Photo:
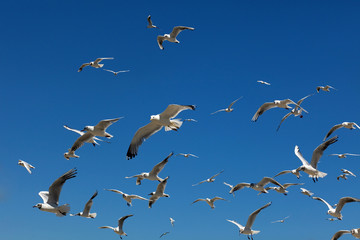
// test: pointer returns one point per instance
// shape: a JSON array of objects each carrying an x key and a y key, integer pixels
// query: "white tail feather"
[{"x": 175, "y": 124}]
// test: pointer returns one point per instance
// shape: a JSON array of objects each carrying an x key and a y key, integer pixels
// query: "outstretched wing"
[
  {"x": 178, "y": 29},
  {"x": 174, "y": 109},
  {"x": 121, "y": 221},
  {"x": 82, "y": 66},
  {"x": 236, "y": 223},
  {"x": 89, "y": 204},
  {"x": 74, "y": 130},
  {"x": 104, "y": 124},
  {"x": 345, "y": 200},
  {"x": 266, "y": 106},
  {"x": 100, "y": 59},
  {"x": 234, "y": 102},
  {"x": 81, "y": 140},
  {"x": 221, "y": 110},
  {"x": 217, "y": 174},
  {"x": 253, "y": 215},
  {"x": 336, "y": 127},
  {"x": 318, "y": 152},
  {"x": 300, "y": 156},
  {"x": 158, "y": 167},
  {"x": 55, "y": 188},
  {"x": 339, "y": 234},
  {"x": 283, "y": 172},
  {"x": 267, "y": 180},
  {"x": 283, "y": 119},
  {"x": 160, "y": 39},
  {"x": 322, "y": 200}
]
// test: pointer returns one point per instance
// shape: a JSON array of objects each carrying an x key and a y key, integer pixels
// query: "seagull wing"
[
  {"x": 199, "y": 183},
  {"x": 217, "y": 198},
  {"x": 350, "y": 154},
  {"x": 161, "y": 187},
  {"x": 345, "y": 200},
  {"x": 174, "y": 109},
  {"x": 239, "y": 186},
  {"x": 253, "y": 215},
  {"x": 266, "y": 106},
  {"x": 121, "y": 221},
  {"x": 141, "y": 134},
  {"x": 82, "y": 66},
  {"x": 55, "y": 188},
  {"x": 104, "y": 124},
  {"x": 322, "y": 200},
  {"x": 109, "y": 70},
  {"x": 198, "y": 200},
  {"x": 158, "y": 167},
  {"x": 267, "y": 180},
  {"x": 336, "y": 127},
  {"x": 348, "y": 172},
  {"x": 74, "y": 130},
  {"x": 234, "y": 102},
  {"x": 217, "y": 174},
  {"x": 89, "y": 204},
  {"x": 137, "y": 197},
  {"x": 301, "y": 100},
  {"x": 100, "y": 59},
  {"x": 339, "y": 234},
  {"x": 236, "y": 223},
  {"x": 193, "y": 155},
  {"x": 115, "y": 190},
  {"x": 27, "y": 166},
  {"x": 178, "y": 29},
  {"x": 286, "y": 185},
  {"x": 283, "y": 172},
  {"x": 300, "y": 156},
  {"x": 81, "y": 140},
  {"x": 221, "y": 110},
  {"x": 106, "y": 227},
  {"x": 318, "y": 152},
  {"x": 149, "y": 20},
  {"x": 283, "y": 119},
  {"x": 160, "y": 39},
  {"x": 229, "y": 185},
  {"x": 44, "y": 196}
]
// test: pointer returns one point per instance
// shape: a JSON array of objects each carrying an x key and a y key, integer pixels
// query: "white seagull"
[
  {"x": 283, "y": 189},
  {"x": 153, "y": 174},
  {"x": 355, "y": 232},
  {"x": 209, "y": 180},
  {"x": 91, "y": 140},
  {"x": 158, "y": 121},
  {"x": 172, "y": 36},
  {"x": 311, "y": 168},
  {"x": 209, "y": 201},
  {"x": 150, "y": 25},
  {"x": 172, "y": 221},
  {"x": 188, "y": 155},
  {"x": 190, "y": 120},
  {"x": 100, "y": 128},
  {"x": 343, "y": 155},
  {"x": 296, "y": 172},
  {"x": 228, "y": 109},
  {"x": 343, "y": 176},
  {"x": 116, "y": 73},
  {"x": 348, "y": 125},
  {"x": 160, "y": 192},
  {"x": 263, "y": 82},
  {"x": 325, "y": 89},
  {"x": 281, "y": 221},
  {"x": 260, "y": 186},
  {"x": 26, "y": 165},
  {"x": 51, "y": 197},
  {"x": 230, "y": 186},
  {"x": 94, "y": 64},
  {"x": 247, "y": 229},
  {"x": 306, "y": 192},
  {"x": 336, "y": 212},
  {"x": 332, "y": 219},
  {"x": 348, "y": 172},
  {"x": 119, "y": 229},
  {"x": 86, "y": 212},
  {"x": 127, "y": 197},
  {"x": 163, "y": 234}
]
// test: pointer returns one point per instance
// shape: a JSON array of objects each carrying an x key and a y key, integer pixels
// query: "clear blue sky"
[{"x": 295, "y": 45}]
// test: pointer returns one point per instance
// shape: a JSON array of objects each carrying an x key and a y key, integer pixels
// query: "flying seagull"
[
  {"x": 247, "y": 229},
  {"x": 296, "y": 172},
  {"x": 188, "y": 155},
  {"x": 127, "y": 197},
  {"x": 277, "y": 103},
  {"x": 116, "y": 73},
  {"x": 150, "y": 25},
  {"x": 281, "y": 221},
  {"x": 209, "y": 180},
  {"x": 153, "y": 174},
  {"x": 260, "y": 186},
  {"x": 26, "y": 165},
  {"x": 348, "y": 125},
  {"x": 348, "y": 172},
  {"x": 86, "y": 212},
  {"x": 172, "y": 221},
  {"x": 306, "y": 192},
  {"x": 283, "y": 189},
  {"x": 51, "y": 197},
  {"x": 209, "y": 201},
  {"x": 343, "y": 176},
  {"x": 158, "y": 121},
  {"x": 172, "y": 36},
  {"x": 230, "y": 186},
  {"x": 228, "y": 109},
  {"x": 160, "y": 192},
  {"x": 91, "y": 140},
  {"x": 354, "y": 232},
  {"x": 70, "y": 154},
  {"x": 94, "y": 64},
  {"x": 163, "y": 234},
  {"x": 119, "y": 229},
  {"x": 343, "y": 155},
  {"x": 332, "y": 219},
  {"x": 311, "y": 168},
  {"x": 263, "y": 82},
  {"x": 336, "y": 212},
  {"x": 325, "y": 89},
  {"x": 190, "y": 120}
]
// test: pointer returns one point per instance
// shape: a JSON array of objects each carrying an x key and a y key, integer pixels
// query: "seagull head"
[
  {"x": 166, "y": 195},
  {"x": 252, "y": 185},
  {"x": 39, "y": 205},
  {"x": 152, "y": 193},
  {"x": 154, "y": 117},
  {"x": 88, "y": 128}
]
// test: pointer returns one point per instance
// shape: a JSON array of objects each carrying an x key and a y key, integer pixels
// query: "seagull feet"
[
  {"x": 128, "y": 204},
  {"x": 94, "y": 144}
]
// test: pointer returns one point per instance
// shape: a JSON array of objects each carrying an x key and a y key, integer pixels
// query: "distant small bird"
[
  {"x": 263, "y": 82},
  {"x": 127, "y": 197},
  {"x": 260, "y": 186},
  {"x": 209, "y": 180},
  {"x": 172, "y": 36},
  {"x": 150, "y": 25},
  {"x": 348, "y": 125},
  {"x": 26, "y": 165},
  {"x": 343, "y": 155},
  {"x": 306, "y": 192},
  {"x": 354, "y": 232},
  {"x": 86, "y": 212},
  {"x": 332, "y": 219},
  {"x": 160, "y": 192},
  {"x": 190, "y": 120},
  {"x": 228, "y": 109},
  {"x": 325, "y": 89},
  {"x": 119, "y": 229},
  {"x": 343, "y": 176},
  {"x": 348, "y": 172},
  {"x": 188, "y": 155},
  {"x": 172, "y": 221},
  {"x": 163, "y": 234},
  {"x": 296, "y": 172},
  {"x": 116, "y": 73},
  {"x": 336, "y": 212},
  {"x": 209, "y": 201},
  {"x": 94, "y": 64},
  {"x": 283, "y": 189},
  {"x": 281, "y": 221}
]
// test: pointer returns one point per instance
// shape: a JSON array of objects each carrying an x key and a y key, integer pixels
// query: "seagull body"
[
  {"x": 348, "y": 125},
  {"x": 172, "y": 36},
  {"x": 150, "y": 25},
  {"x": 306, "y": 192},
  {"x": 94, "y": 64},
  {"x": 343, "y": 176},
  {"x": 188, "y": 155},
  {"x": 296, "y": 172},
  {"x": 127, "y": 197},
  {"x": 260, "y": 186},
  {"x": 325, "y": 89},
  {"x": 51, "y": 197},
  {"x": 209, "y": 201},
  {"x": 354, "y": 232},
  {"x": 263, "y": 82},
  {"x": 157, "y": 122},
  {"x": 160, "y": 192},
  {"x": 228, "y": 109},
  {"x": 90, "y": 140},
  {"x": 153, "y": 174},
  {"x": 209, "y": 180},
  {"x": 86, "y": 212},
  {"x": 116, "y": 73},
  {"x": 100, "y": 129},
  {"x": 283, "y": 189},
  {"x": 163, "y": 234},
  {"x": 336, "y": 212},
  {"x": 119, "y": 229},
  {"x": 26, "y": 165},
  {"x": 343, "y": 155},
  {"x": 172, "y": 221},
  {"x": 281, "y": 221},
  {"x": 311, "y": 168},
  {"x": 247, "y": 229}
]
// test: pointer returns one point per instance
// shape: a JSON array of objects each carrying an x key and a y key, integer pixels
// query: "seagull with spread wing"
[
  {"x": 336, "y": 212},
  {"x": 283, "y": 189},
  {"x": 91, "y": 140},
  {"x": 281, "y": 221},
  {"x": 127, "y": 197},
  {"x": 355, "y": 232},
  {"x": 157, "y": 122},
  {"x": 163, "y": 234},
  {"x": 343, "y": 155},
  {"x": 260, "y": 186},
  {"x": 94, "y": 64},
  {"x": 263, "y": 82},
  {"x": 228, "y": 109},
  {"x": 119, "y": 229},
  {"x": 26, "y": 165},
  {"x": 296, "y": 172},
  {"x": 86, "y": 212},
  {"x": 209, "y": 180},
  {"x": 150, "y": 25},
  {"x": 325, "y": 89},
  {"x": 306, "y": 192},
  {"x": 116, "y": 73},
  {"x": 209, "y": 201},
  {"x": 172, "y": 36},
  {"x": 172, "y": 221},
  {"x": 160, "y": 192},
  {"x": 348, "y": 125}
]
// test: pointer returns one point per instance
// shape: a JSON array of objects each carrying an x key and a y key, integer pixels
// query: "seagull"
[
  {"x": 281, "y": 221},
  {"x": 209, "y": 201},
  {"x": 70, "y": 154},
  {"x": 159, "y": 192},
  {"x": 153, "y": 174},
  {"x": 165, "y": 233},
  {"x": 260, "y": 186},
  {"x": 343, "y": 155},
  {"x": 296, "y": 172},
  {"x": 296, "y": 111},
  {"x": 172, "y": 36},
  {"x": 311, "y": 168},
  {"x": 337, "y": 211},
  {"x": 51, "y": 197},
  {"x": 172, "y": 221},
  {"x": 119, "y": 229},
  {"x": 86, "y": 212},
  {"x": 263, "y": 82},
  {"x": 325, "y": 89},
  {"x": 306, "y": 192},
  {"x": 116, "y": 73},
  {"x": 247, "y": 229},
  {"x": 348, "y": 125},
  {"x": 348, "y": 172},
  {"x": 127, "y": 197},
  {"x": 277, "y": 103},
  {"x": 26, "y": 165},
  {"x": 209, "y": 180},
  {"x": 283, "y": 189},
  {"x": 91, "y": 140},
  {"x": 190, "y": 120},
  {"x": 228, "y": 109},
  {"x": 94, "y": 64},
  {"x": 354, "y": 232},
  {"x": 100, "y": 129},
  {"x": 158, "y": 121},
  {"x": 188, "y": 155},
  {"x": 343, "y": 176},
  {"x": 150, "y": 25},
  {"x": 231, "y": 187},
  {"x": 331, "y": 219}
]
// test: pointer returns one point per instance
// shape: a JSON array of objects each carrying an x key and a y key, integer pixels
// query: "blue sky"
[{"x": 294, "y": 45}]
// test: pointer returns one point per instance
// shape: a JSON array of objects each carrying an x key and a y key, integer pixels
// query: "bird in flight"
[
  {"x": 228, "y": 109},
  {"x": 172, "y": 36},
  {"x": 94, "y": 64}
]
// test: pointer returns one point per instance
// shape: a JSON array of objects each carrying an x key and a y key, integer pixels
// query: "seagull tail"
[
  {"x": 92, "y": 215},
  {"x": 175, "y": 125},
  {"x": 321, "y": 174},
  {"x": 63, "y": 210},
  {"x": 253, "y": 232}
]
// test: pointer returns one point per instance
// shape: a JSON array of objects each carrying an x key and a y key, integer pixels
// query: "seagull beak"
[{"x": 82, "y": 130}]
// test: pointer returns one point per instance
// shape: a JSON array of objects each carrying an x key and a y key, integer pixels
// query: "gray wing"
[
  {"x": 217, "y": 174},
  {"x": 161, "y": 186},
  {"x": 199, "y": 183},
  {"x": 266, "y": 106},
  {"x": 74, "y": 130},
  {"x": 160, "y": 40},
  {"x": 283, "y": 172},
  {"x": 115, "y": 190},
  {"x": 236, "y": 223},
  {"x": 178, "y": 29},
  {"x": 252, "y": 216},
  {"x": 345, "y": 200},
  {"x": 100, "y": 59},
  {"x": 149, "y": 20},
  {"x": 221, "y": 110},
  {"x": 348, "y": 172},
  {"x": 336, "y": 127},
  {"x": 283, "y": 119},
  {"x": 286, "y": 185},
  {"x": 104, "y": 124},
  {"x": 339, "y": 234},
  {"x": 322, "y": 200},
  {"x": 239, "y": 186},
  {"x": 81, "y": 140},
  {"x": 158, "y": 167},
  {"x": 301, "y": 100},
  {"x": 82, "y": 66},
  {"x": 109, "y": 70},
  {"x": 267, "y": 180},
  {"x": 121, "y": 221},
  {"x": 55, "y": 188},
  {"x": 174, "y": 109},
  {"x": 300, "y": 156},
  {"x": 318, "y": 152},
  {"x": 89, "y": 204},
  {"x": 198, "y": 200},
  {"x": 137, "y": 197},
  {"x": 217, "y": 198},
  {"x": 234, "y": 102},
  {"x": 141, "y": 134}
]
